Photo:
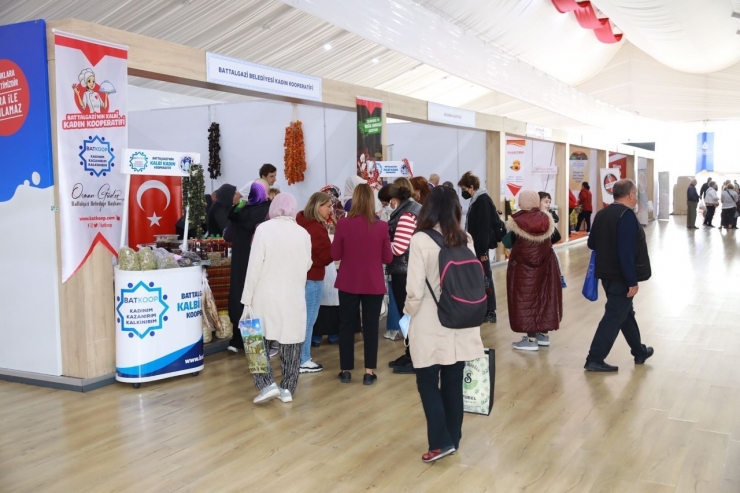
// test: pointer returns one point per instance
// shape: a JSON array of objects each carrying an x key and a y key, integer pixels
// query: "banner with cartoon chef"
[{"x": 91, "y": 81}]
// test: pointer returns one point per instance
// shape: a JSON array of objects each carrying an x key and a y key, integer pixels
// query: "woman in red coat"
[
  {"x": 534, "y": 292},
  {"x": 587, "y": 207}
]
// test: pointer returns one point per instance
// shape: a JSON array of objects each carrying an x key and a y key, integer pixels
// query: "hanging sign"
[
  {"x": 261, "y": 78},
  {"x": 448, "y": 114},
  {"x": 369, "y": 140},
  {"x": 537, "y": 132},
  {"x": 515, "y": 159},
  {"x": 578, "y": 169},
  {"x": 396, "y": 169},
  {"x": 158, "y": 163},
  {"x": 91, "y": 81},
  {"x": 619, "y": 162},
  {"x": 705, "y": 152},
  {"x": 609, "y": 176}
]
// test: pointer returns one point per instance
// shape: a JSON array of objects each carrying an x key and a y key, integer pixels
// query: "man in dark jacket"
[
  {"x": 621, "y": 262},
  {"x": 705, "y": 187},
  {"x": 479, "y": 223},
  {"x": 692, "y": 201}
]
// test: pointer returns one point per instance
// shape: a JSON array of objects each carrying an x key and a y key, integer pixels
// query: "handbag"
[
  {"x": 591, "y": 284},
  {"x": 479, "y": 377},
  {"x": 254, "y": 344}
]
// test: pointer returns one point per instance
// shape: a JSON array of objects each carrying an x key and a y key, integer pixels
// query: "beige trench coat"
[{"x": 431, "y": 343}]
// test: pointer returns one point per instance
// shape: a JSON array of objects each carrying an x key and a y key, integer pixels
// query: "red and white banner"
[
  {"x": 618, "y": 161},
  {"x": 154, "y": 208},
  {"x": 91, "y": 82}
]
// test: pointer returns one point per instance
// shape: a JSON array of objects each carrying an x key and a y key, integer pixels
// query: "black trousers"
[
  {"x": 619, "y": 315},
  {"x": 728, "y": 217},
  {"x": 584, "y": 216},
  {"x": 709, "y": 215},
  {"x": 398, "y": 281},
  {"x": 491, "y": 302},
  {"x": 440, "y": 388},
  {"x": 349, "y": 321}
]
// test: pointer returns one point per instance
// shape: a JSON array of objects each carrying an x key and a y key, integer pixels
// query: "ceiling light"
[
  {"x": 375, "y": 60},
  {"x": 327, "y": 47}
]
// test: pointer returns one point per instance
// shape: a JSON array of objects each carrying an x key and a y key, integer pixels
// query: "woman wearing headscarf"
[
  {"x": 219, "y": 213},
  {"x": 275, "y": 292},
  {"x": 534, "y": 291},
  {"x": 244, "y": 218},
  {"x": 336, "y": 203},
  {"x": 349, "y": 190}
]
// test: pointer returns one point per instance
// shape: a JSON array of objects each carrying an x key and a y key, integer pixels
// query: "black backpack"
[
  {"x": 463, "y": 301},
  {"x": 498, "y": 230}
]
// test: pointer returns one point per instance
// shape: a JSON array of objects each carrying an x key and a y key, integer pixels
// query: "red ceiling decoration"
[{"x": 587, "y": 18}]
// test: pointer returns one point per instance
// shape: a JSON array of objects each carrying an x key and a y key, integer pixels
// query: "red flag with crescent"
[{"x": 154, "y": 208}]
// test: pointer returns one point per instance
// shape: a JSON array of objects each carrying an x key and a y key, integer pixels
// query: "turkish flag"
[{"x": 155, "y": 205}]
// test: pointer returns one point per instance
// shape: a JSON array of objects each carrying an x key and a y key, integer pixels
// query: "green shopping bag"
[
  {"x": 479, "y": 377},
  {"x": 254, "y": 344}
]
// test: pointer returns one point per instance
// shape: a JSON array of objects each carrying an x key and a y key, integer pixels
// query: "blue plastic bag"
[{"x": 591, "y": 284}]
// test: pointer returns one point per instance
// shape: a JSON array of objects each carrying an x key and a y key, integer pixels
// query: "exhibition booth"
[{"x": 75, "y": 189}]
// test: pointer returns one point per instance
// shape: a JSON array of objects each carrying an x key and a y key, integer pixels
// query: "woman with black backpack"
[
  {"x": 479, "y": 222},
  {"x": 438, "y": 351}
]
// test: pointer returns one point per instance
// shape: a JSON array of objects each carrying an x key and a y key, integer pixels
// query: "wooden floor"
[{"x": 672, "y": 425}]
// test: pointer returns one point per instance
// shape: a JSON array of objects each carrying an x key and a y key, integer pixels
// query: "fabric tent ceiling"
[{"x": 532, "y": 32}]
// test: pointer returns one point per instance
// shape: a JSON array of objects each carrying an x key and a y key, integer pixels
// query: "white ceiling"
[{"x": 625, "y": 76}]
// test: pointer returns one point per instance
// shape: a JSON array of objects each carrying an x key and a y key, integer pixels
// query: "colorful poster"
[
  {"x": 608, "y": 177},
  {"x": 618, "y": 161},
  {"x": 578, "y": 170},
  {"x": 705, "y": 152},
  {"x": 91, "y": 82},
  {"x": 28, "y": 264},
  {"x": 530, "y": 164},
  {"x": 642, "y": 190},
  {"x": 369, "y": 140}
]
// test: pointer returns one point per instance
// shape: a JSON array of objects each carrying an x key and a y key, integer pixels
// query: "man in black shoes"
[
  {"x": 621, "y": 262},
  {"x": 692, "y": 202}
]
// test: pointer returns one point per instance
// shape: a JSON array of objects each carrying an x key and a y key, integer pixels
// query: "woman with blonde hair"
[
  {"x": 275, "y": 292},
  {"x": 362, "y": 244},
  {"x": 314, "y": 220}
]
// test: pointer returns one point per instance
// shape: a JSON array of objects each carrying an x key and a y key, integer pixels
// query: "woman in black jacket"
[
  {"x": 244, "y": 217},
  {"x": 479, "y": 222},
  {"x": 219, "y": 213}
]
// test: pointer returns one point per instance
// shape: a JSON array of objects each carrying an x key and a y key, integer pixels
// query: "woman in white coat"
[
  {"x": 275, "y": 291},
  {"x": 439, "y": 353}
]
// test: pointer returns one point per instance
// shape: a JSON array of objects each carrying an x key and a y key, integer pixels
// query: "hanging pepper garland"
[
  {"x": 295, "y": 153},
  {"x": 193, "y": 197},
  {"x": 214, "y": 148}
]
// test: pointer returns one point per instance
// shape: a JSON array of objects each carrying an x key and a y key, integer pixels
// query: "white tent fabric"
[{"x": 687, "y": 35}]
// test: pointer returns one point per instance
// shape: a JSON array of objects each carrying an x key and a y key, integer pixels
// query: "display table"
[{"x": 159, "y": 321}]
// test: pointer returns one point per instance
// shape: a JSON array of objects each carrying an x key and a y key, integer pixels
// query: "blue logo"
[
  {"x": 141, "y": 309},
  {"x": 138, "y": 161},
  {"x": 185, "y": 162},
  {"x": 96, "y": 156}
]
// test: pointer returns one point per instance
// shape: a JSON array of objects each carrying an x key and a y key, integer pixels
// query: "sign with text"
[
  {"x": 396, "y": 169},
  {"x": 448, "y": 114},
  {"x": 261, "y": 78},
  {"x": 537, "y": 132},
  {"x": 158, "y": 163},
  {"x": 369, "y": 140},
  {"x": 91, "y": 82}
]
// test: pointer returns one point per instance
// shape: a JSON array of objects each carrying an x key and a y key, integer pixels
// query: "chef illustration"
[{"x": 94, "y": 97}]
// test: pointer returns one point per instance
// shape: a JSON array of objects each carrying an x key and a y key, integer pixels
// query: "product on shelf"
[{"x": 127, "y": 259}]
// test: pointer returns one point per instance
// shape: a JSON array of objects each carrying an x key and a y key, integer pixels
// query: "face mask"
[
  {"x": 466, "y": 195},
  {"x": 388, "y": 209}
]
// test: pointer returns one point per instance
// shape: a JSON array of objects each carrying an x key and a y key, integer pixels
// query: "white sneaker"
[
  {"x": 232, "y": 349},
  {"x": 285, "y": 395},
  {"x": 393, "y": 335},
  {"x": 310, "y": 366},
  {"x": 543, "y": 339},
  {"x": 268, "y": 393},
  {"x": 525, "y": 344}
]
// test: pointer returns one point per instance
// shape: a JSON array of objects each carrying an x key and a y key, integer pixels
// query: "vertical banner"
[
  {"x": 515, "y": 159},
  {"x": 619, "y": 162},
  {"x": 369, "y": 140},
  {"x": 30, "y": 292},
  {"x": 578, "y": 170},
  {"x": 642, "y": 190},
  {"x": 91, "y": 82},
  {"x": 608, "y": 177},
  {"x": 705, "y": 152},
  {"x": 530, "y": 164}
]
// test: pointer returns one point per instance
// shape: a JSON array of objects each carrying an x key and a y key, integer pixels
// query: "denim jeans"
[
  {"x": 314, "y": 290},
  {"x": 391, "y": 321}
]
